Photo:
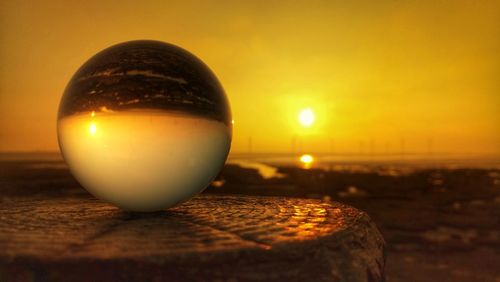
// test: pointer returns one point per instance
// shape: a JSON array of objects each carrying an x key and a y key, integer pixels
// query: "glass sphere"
[{"x": 144, "y": 125}]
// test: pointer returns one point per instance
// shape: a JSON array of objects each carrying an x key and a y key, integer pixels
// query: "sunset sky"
[{"x": 373, "y": 72}]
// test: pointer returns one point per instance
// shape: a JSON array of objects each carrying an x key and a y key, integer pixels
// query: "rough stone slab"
[{"x": 207, "y": 238}]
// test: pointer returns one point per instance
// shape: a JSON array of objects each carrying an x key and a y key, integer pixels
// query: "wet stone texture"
[{"x": 224, "y": 238}]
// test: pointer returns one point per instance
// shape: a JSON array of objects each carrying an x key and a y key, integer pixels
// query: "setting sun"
[
  {"x": 92, "y": 128},
  {"x": 306, "y": 117}
]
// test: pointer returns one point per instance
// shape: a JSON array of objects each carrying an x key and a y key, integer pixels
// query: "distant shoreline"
[{"x": 322, "y": 160}]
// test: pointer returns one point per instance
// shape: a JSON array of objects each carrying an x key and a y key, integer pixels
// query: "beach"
[{"x": 439, "y": 221}]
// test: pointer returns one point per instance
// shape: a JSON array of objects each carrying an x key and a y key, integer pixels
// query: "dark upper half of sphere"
[{"x": 146, "y": 74}]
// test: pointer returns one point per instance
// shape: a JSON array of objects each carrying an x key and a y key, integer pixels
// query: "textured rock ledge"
[{"x": 207, "y": 238}]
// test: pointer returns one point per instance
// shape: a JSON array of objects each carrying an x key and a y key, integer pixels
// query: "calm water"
[
  {"x": 436, "y": 222},
  {"x": 322, "y": 161},
  {"x": 370, "y": 162}
]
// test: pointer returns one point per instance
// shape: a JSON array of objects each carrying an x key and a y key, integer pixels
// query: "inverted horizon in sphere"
[
  {"x": 144, "y": 125},
  {"x": 146, "y": 74}
]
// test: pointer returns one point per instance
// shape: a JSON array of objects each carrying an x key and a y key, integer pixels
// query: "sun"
[
  {"x": 306, "y": 117},
  {"x": 92, "y": 128}
]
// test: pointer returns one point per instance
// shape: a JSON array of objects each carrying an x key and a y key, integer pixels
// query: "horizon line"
[{"x": 298, "y": 153}]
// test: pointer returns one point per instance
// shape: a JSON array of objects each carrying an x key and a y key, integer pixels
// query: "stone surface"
[{"x": 208, "y": 238}]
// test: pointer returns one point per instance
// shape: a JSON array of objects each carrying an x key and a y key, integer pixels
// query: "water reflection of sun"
[{"x": 306, "y": 160}]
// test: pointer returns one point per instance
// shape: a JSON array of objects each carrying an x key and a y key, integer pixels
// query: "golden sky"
[{"x": 374, "y": 72}]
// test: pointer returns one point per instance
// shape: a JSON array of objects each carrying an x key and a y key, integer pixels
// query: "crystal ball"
[{"x": 144, "y": 125}]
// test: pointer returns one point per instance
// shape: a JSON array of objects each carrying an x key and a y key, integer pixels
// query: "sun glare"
[
  {"x": 92, "y": 128},
  {"x": 306, "y": 117}
]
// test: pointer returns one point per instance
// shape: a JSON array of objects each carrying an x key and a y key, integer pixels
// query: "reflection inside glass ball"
[{"x": 144, "y": 125}]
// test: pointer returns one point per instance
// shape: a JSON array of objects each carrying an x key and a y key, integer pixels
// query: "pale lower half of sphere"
[{"x": 143, "y": 160}]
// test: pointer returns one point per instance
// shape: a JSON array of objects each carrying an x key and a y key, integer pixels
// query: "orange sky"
[{"x": 373, "y": 71}]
